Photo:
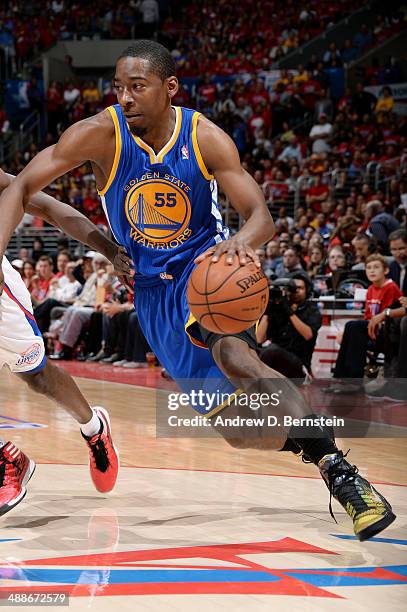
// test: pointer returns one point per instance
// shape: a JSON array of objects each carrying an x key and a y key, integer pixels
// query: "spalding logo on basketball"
[{"x": 227, "y": 298}]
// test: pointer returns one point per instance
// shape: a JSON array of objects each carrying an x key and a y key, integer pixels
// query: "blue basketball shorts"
[{"x": 180, "y": 343}]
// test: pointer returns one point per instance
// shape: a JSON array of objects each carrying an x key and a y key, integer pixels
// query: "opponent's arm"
[
  {"x": 72, "y": 150},
  {"x": 222, "y": 159},
  {"x": 67, "y": 219},
  {"x": 18, "y": 196}
]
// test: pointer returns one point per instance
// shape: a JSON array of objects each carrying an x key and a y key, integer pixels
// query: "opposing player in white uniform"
[{"x": 22, "y": 350}]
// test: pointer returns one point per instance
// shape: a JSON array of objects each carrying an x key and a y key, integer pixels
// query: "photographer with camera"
[{"x": 291, "y": 323}]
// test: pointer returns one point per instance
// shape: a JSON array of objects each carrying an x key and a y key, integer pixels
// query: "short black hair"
[
  {"x": 161, "y": 61},
  {"x": 399, "y": 234},
  {"x": 362, "y": 236},
  {"x": 305, "y": 279}
]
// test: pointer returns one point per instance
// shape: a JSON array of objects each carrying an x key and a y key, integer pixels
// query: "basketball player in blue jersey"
[{"x": 158, "y": 168}]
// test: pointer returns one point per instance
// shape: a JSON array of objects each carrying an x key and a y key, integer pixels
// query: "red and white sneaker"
[
  {"x": 16, "y": 470},
  {"x": 103, "y": 455}
]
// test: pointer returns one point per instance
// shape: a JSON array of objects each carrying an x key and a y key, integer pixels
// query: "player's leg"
[
  {"x": 16, "y": 468},
  {"x": 369, "y": 510},
  {"x": 58, "y": 386},
  {"x": 22, "y": 350},
  {"x": 234, "y": 359}
]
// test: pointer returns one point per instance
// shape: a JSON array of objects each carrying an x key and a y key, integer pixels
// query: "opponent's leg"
[
  {"x": 369, "y": 510},
  {"x": 59, "y": 386}
]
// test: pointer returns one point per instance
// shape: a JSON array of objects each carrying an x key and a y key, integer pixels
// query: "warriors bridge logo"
[{"x": 159, "y": 211}]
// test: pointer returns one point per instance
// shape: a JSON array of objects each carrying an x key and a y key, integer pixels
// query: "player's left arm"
[
  {"x": 75, "y": 224},
  {"x": 221, "y": 158}
]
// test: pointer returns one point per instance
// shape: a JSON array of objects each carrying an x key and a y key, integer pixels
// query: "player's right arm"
[{"x": 85, "y": 140}]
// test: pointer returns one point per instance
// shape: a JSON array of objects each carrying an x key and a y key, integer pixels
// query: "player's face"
[{"x": 142, "y": 95}]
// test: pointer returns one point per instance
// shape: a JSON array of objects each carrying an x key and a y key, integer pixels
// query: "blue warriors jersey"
[{"x": 163, "y": 207}]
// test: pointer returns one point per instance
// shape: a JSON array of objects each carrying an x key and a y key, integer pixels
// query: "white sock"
[{"x": 92, "y": 427}]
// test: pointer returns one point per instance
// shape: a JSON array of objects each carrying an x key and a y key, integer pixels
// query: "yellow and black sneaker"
[{"x": 370, "y": 511}]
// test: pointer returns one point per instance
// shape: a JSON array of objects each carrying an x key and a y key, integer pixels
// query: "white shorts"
[{"x": 21, "y": 344}]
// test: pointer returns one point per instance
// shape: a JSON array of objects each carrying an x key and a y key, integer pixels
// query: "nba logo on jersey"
[{"x": 184, "y": 152}]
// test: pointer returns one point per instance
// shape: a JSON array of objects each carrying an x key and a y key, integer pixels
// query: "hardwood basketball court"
[{"x": 192, "y": 523}]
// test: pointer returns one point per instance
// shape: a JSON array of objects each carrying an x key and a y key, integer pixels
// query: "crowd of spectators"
[
  {"x": 226, "y": 38},
  {"x": 246, "y": 38},
  {"x": 80, "y": 307},
  {"x": 30, "y": 27},
  {"x": 216, "y": 37},
  {"x": 332, "y": 170},
  {"x": 221, "y": 31}
]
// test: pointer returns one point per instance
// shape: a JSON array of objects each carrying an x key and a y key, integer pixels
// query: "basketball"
[{"x": 227, "y": 298}]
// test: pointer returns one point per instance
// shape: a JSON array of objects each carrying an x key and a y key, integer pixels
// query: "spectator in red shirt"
[
  {"x": 381, "y": 294},
  {"x": 90, "y": 200},
  {"x": 258, "y": 93},
  {"x": 41, "y": 282},
  {"x": 55, "y": 104},
  {"x": 316, "y": 194},
  {"x": 207, "y": 92}
]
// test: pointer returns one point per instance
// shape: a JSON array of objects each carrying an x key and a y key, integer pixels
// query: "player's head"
[{"x": 145, "y": 83}]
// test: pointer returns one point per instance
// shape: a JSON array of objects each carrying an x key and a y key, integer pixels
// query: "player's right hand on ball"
[{"x": 230, "y": 248}]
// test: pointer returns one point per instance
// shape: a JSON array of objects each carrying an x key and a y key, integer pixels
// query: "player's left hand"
[
  {"x": 122, "y": 264},
  {"x": 234, "y": 246},
  {"x": 123, "y": 267}
]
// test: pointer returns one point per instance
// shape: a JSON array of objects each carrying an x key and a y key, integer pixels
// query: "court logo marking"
[
  {"x": 7, "y": 422},
  {"x": 216, "y": 569}
]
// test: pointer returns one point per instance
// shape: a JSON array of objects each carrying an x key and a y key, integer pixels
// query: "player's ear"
[{"x": 172, "y": 86}]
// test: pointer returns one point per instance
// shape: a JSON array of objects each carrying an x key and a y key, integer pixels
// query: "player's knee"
[
  {"x": 37, "y": 382},
  {"x": 256, "y": 443},
  {"x": 234, "y": 359},
  {"x": 268, "y": 444},
  {"x": 239, "y": 443}
]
